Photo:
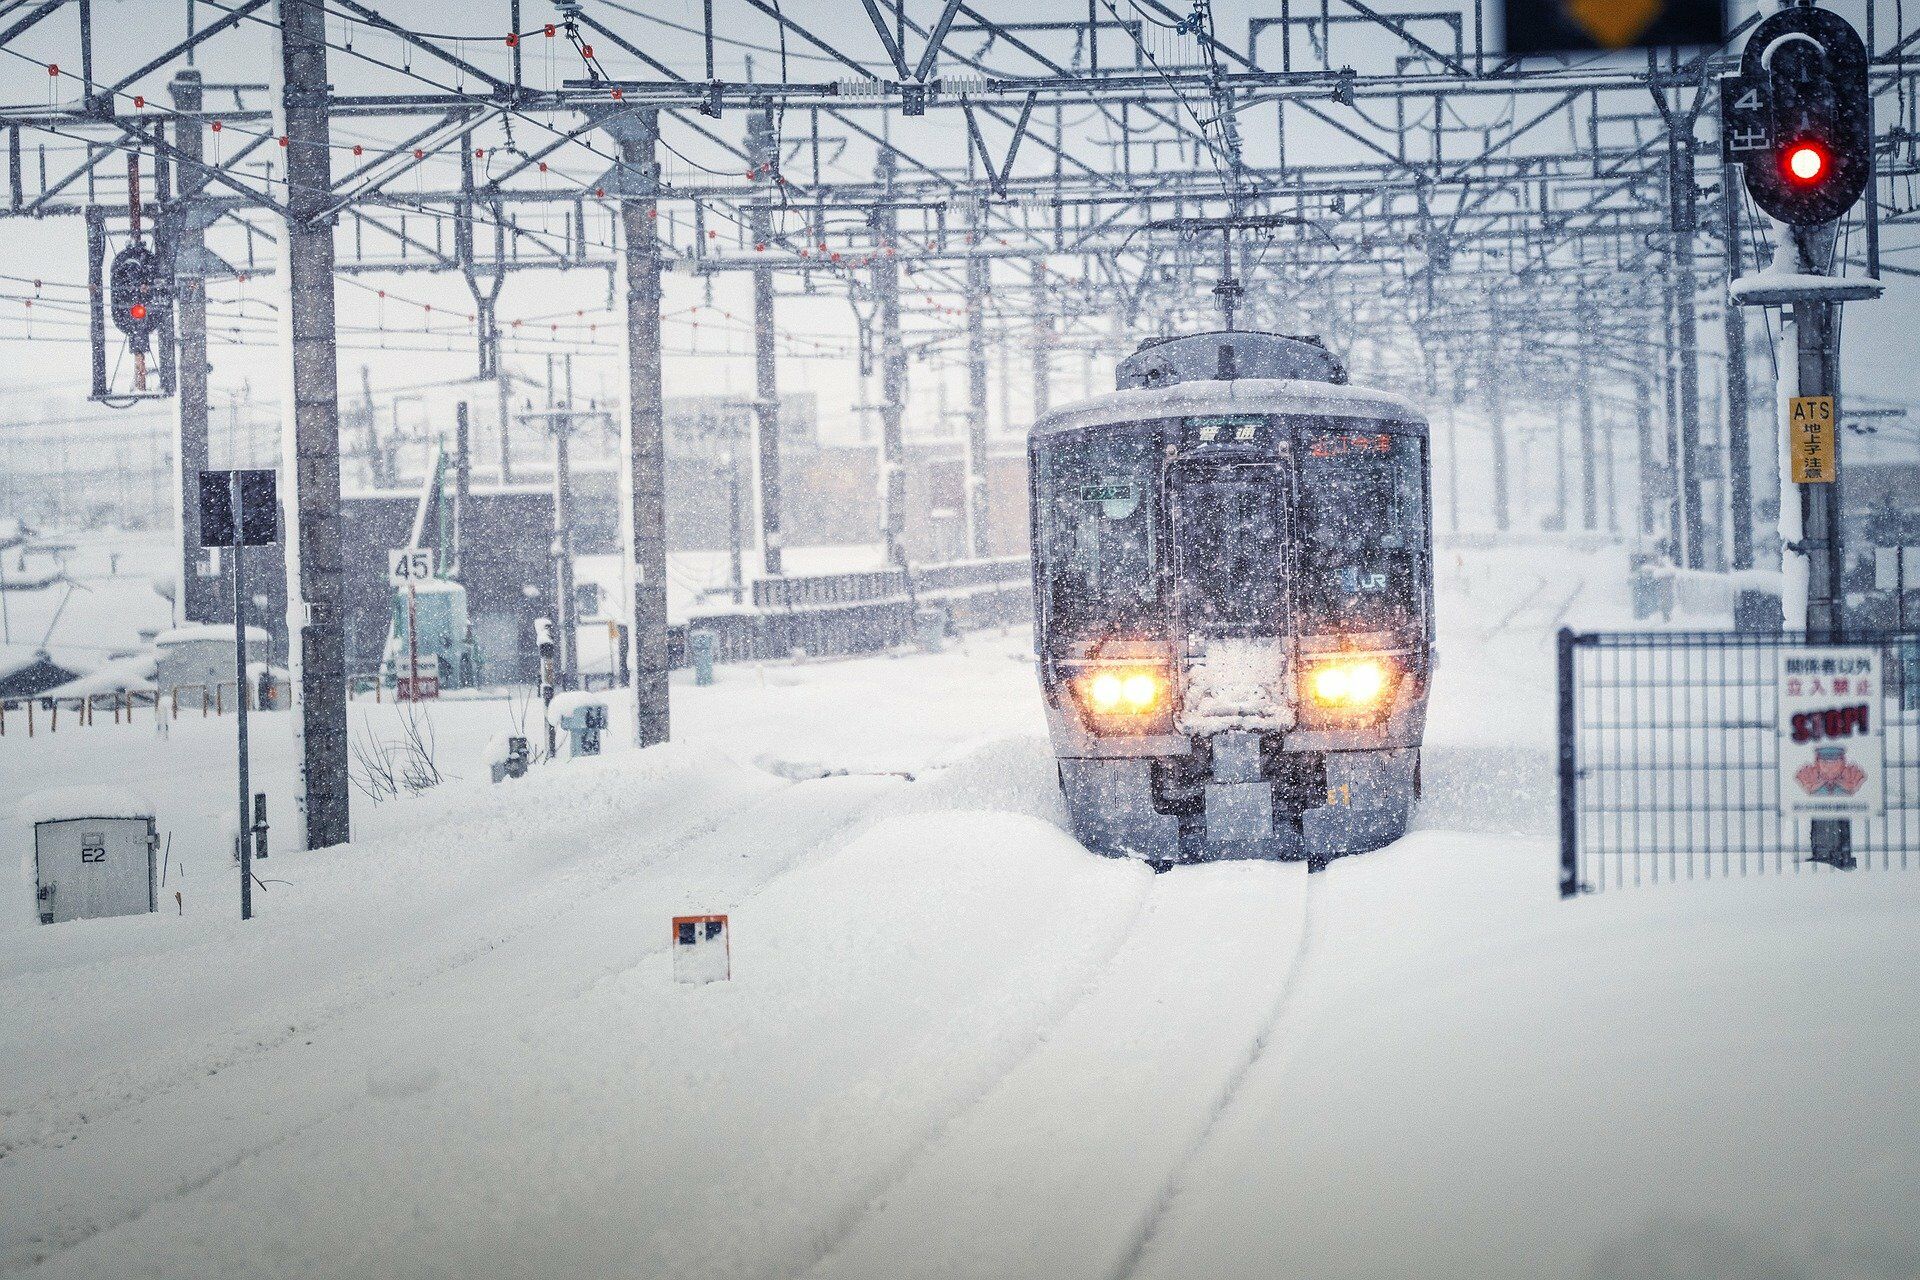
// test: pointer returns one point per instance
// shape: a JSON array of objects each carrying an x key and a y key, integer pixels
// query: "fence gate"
[{"x": 1693, "y": 755}]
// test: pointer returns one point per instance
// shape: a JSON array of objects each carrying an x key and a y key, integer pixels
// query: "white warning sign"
[{"x": 701, "y": 949}]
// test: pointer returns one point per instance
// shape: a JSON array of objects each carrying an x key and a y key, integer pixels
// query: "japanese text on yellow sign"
[{"x": 1810, "y": 440}]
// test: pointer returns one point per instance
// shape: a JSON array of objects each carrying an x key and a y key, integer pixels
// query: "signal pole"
[{"x": 1800, "y": 117}]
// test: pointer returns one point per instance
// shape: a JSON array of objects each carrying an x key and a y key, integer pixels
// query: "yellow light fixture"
[{"x": 1351, "y": 685}]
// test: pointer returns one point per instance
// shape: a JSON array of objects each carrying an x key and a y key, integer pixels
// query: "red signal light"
[
  {"x": 138, "y": 311},
  {"x": 1805, "y": 164}
]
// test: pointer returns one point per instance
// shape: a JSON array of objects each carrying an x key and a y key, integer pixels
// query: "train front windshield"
[
  {"x": 1354, "y": 547},
  {"x": 1099, "y": 497},
  {"x": 1363, "y": 530}
]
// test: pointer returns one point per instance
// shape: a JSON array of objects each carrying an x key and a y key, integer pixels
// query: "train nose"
[{"x": 1239, "y": 799}]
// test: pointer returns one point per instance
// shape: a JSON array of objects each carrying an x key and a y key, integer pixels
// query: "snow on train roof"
[{"x": 1244, "y": 395}]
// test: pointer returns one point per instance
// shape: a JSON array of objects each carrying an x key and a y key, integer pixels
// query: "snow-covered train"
[{"x": 1233, "y": 589}]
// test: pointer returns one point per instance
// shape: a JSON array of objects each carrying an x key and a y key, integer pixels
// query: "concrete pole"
[
  {"x": 893, "y": 373},
  {"x": 1562, "y": 513},
  {"x": 646, "y": 425},
  {"x": 1687, "y": 331},
  {"x": 766, "y": 404},
  {"x": 1589, "y": 446},
  {"x": 1643, "y": 449},
  {"x": 503, "y": 395},
  {"x": 1739, "y": 452},
  {"x": 977, "y": 495},
  {"x": 566, "y": 624},
  {"x": 316, "y": 607},
  {"x": 198, "y": 597},
  {"x": 1042, "y": 342},
  {"x": 1453, "y": 450},
  {"x": 1497, "y": 418}
]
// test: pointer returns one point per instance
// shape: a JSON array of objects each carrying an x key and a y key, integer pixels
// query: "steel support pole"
[
  {"x": 646, "y": 427},
  {"x": 316, "y": 609},
  {"x": 893, "y": 375},
  {"x": 763, "y": 155},
  {"x": 1739, "y": 459},
  {"x": 199, "y": 597},
  {"x": 977, "y": 494}
]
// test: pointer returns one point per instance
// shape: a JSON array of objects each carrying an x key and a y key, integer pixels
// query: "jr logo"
[{"x": 1353, "y": 581}]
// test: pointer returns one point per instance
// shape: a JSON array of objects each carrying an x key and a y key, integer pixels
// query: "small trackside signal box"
[{"x": 701, "y": 950}]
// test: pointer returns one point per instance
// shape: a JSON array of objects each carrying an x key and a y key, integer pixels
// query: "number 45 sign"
[{"x": 410, "y": 566}]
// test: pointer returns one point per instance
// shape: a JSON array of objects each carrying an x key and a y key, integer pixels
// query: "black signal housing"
[
  {"x": 1800, "y": 118},
  {"x": 133, "y": 286}
]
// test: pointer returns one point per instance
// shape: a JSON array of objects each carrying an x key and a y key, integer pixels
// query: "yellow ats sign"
[{"x": 1810, "y": 440}]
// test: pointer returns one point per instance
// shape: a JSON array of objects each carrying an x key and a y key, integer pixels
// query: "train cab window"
[
  {"x": 1097, "y": 505},
  {"x": 1229, "y": 525},
  {"x": 1362, "y": 530}
]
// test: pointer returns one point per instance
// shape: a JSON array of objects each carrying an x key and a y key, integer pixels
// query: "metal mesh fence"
[{"x": 1670, "y": 747}]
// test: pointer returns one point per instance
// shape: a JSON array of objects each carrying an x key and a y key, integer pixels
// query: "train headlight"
[
  {"x": 1348, "y": 686},
  {"x": 1140, "y": 691},
  {"x": 1132, "y": 701}
]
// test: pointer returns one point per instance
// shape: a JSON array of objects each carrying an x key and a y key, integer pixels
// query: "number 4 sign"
[
  {"x": 410, "y": 566},
  {"x": 1746, "y": 118}
]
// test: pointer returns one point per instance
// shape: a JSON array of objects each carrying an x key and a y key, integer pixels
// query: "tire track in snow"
[
  {"x": 1148, "y": 1229},
  {"x": 933, "y": 1134},
  {"x": 1017, "y": 1182}
]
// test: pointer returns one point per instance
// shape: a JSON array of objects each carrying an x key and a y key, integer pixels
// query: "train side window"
[
  {"x": 1362, "y": 530},
  {"x": 1099, "y": 523}
]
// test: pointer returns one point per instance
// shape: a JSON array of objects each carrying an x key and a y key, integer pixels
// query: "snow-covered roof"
[
  {"x": 1244, "y": 395},
  {"x": 134, "y": 671},
  {"x": 57, "y": 803},
  {"x": 207, "y": 631}
]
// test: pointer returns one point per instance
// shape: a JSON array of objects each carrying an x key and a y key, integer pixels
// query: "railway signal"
[
  {"x": 1798, "y": 117},
  {"x": 133, "y": 286}
]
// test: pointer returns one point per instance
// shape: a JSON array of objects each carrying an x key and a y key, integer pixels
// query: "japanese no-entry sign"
[{"x": 1831, "y": 748}]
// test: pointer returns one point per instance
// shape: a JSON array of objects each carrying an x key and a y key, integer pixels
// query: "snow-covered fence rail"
[
  {"x": 807, "y": 590},
  {"x": 839, "y": 614},
  {"x": 47, "y": 713},
  {"x": 1687, "y": 755}
]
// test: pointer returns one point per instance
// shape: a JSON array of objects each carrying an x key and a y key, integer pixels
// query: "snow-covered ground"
[{"x": 954, "y": 1043}]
